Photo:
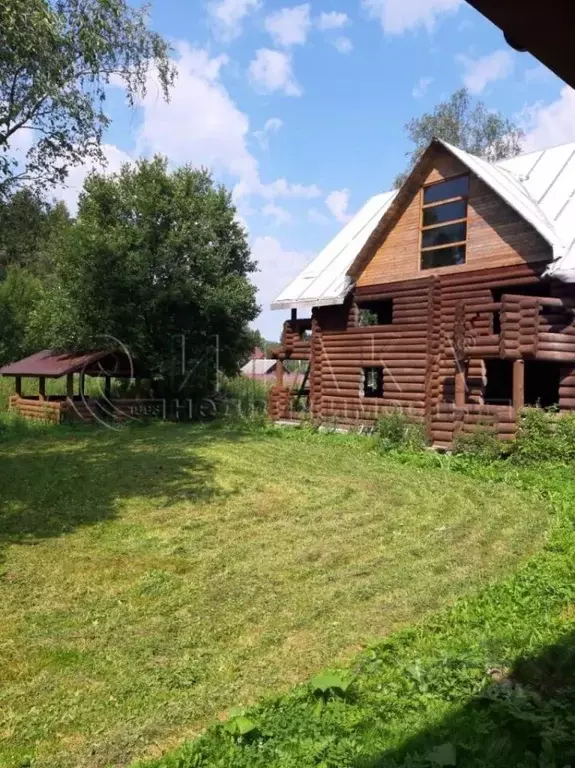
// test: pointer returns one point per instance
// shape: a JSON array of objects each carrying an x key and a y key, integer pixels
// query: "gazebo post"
[
  {"x": 107, "y": 387},
  {"x": 18, "y": 385},
  {"x": 70, "y": 385},
  {"x": 42, "y": 387},
  {"x": 81, "y": 386}
]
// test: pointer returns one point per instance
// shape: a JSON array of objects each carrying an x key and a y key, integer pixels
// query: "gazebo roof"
[{"x": 53, "y": 364}]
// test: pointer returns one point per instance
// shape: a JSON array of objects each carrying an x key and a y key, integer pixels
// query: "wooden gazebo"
[{"x": 74, "y": 404}]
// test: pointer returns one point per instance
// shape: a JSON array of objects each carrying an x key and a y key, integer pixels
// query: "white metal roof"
[
  {"x": 325, "y": 281},
  {"x": 258, "y": 367},
  {"x": 540, "y": 186}
]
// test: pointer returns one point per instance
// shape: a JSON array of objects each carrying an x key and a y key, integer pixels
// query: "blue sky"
[{"x": 300, "y": 108}]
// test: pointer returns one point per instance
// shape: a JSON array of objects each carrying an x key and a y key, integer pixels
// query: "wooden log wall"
[
  {"x": 421, "y": 356},
  {"x": 279, "y": 403},
  {"x": 36, "y": 409},
  {"x": 294, "y": 342},
  {"x": 473, "y": 290},
  {"x": 400, "y": 349}
]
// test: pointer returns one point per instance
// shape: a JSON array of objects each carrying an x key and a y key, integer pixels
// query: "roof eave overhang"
[{"x": 324, "y": 301}]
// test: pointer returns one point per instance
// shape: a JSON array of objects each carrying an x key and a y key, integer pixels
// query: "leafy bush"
[
  {"x": 482, "y": 444},
  {"x": 396, "y": 430},
  {"x": 544, "y": 435}
]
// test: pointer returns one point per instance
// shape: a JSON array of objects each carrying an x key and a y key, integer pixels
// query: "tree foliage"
[
  {"x": 153, "y": 257},
  {"x": 20, "y": 292},
  {"x": 467, "y": 125},
  {"x": 27, "y": 225},
  {"x": 56, "y": 59}
]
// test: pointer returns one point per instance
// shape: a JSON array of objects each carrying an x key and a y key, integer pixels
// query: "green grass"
[
  {"x": 486, "y": 683},
  {"x": 154, "y": 577}
]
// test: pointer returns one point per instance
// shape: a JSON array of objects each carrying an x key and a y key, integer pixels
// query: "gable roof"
[{"x": 540, "y": 186}]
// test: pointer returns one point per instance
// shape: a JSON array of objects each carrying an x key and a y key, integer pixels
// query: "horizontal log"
[
  {"x": 388, "y": 345},
  {"x": 391, "y": 289},
  {"x": 548, "y": 346},
  {"x": 487, "y": 306},
  {"x": 388, "y": 394},
  {"x": 50, "y": 404},
  {"x": 559, "y": 357},
  {"x": 482, "y": 351},
  {"x": 347, "y": 418},
  {"x": 411, "y": 330},
  {"x": 464, "y": 287},
  {"x": 392, "y": 359},
  {"x": 441, "y": 436}
]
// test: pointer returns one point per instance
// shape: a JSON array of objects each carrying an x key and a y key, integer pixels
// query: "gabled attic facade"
[{"x": 450, "y": 298}]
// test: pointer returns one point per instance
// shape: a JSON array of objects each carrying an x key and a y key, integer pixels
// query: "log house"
[{"x": 451, "y": 298}]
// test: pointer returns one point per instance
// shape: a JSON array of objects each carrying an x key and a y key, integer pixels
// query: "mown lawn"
[{"x": 154, "y": 577}]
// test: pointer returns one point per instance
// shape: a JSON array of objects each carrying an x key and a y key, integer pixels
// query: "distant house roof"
[
  {"x": 258, "y": 367},
  {"x": 257, "y": 354},
  {"x": 539, "y": 185},
  {"x": 54, "y": 364}
]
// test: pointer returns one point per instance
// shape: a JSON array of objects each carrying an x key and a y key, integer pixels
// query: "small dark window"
[
  {"x": 373, "y": 382},
  {"x": 443, "y": 257},
  {"x": 376, "y": 312},
  {"x": 438, "y": 214},
  {"x": 452, "y": 233},
  {"x": 446, "y": 190},
  {"x": 542, "y": 380},
  {"x": 499, "y": 384}
]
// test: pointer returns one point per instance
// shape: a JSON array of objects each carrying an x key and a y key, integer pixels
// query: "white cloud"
[
  {"x": 70, "y": 190},
  {"x": 272, "y": 125},
  {"x": 227, "y": 16},
  {"x": 202, "y": 125},
  {"x": 277, "y": 268},
  {"x": 337, "y": 203},
  {"x": 289, "y": 26},
  {"x": 342, "y": 44},
  {"x": 537, "y": 74},
  {"x": 398, "y": 16},
  {"x": 280, "y": 188},
  {"x": 549, "y": 124},
  {"x": 316, "y": 217},
  {"x": 271, "y": 71},
  {"x": 421, "y": 88},
  {"x": 332, "y": 20},
  {"x": 277, "y": 213},
  {"x": 478, "y": 73}
]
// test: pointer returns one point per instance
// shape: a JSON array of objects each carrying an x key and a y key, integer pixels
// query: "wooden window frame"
[
  {"x": 464, "y": 220},
  {"x": 381, "y": 381}
]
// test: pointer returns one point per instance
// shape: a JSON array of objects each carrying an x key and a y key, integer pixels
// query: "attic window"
[{"x": 444, "y": 223}]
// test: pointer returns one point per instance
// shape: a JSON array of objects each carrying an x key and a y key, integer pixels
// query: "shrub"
[
  {"x": 396, "y": 430},
  {"x": 482, "y": 444},
  {"x": 544, "y": 435}
]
